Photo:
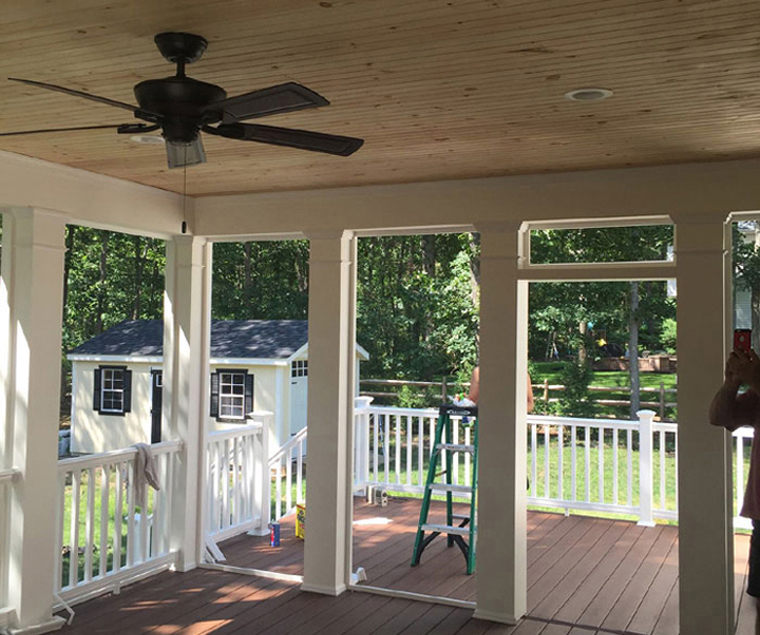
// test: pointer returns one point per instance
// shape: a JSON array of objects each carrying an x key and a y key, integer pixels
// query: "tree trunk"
[
  {"x": 428, "y": 250},
  {"x": 582, "y": 352},
  {"x": 633, "y": 350},
  {"x": 247, "y": 270},
  {"x": 102, "y": 282},
  {"x": 139, "y": 265},
  {"x": 475, "y": 268}
]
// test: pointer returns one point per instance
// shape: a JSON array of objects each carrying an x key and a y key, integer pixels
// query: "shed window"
[
  {"x": 299, "y": 368},
  {"x": 231, "y": 395},
  {"x": 113, "y": 390}
]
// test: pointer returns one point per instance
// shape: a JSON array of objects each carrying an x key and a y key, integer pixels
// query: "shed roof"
[{"x": 239, "y": 339}]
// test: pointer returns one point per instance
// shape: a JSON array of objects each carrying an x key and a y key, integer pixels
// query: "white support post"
[
  {"x": 502, "y": 555},
  {"x": 646, "y": 496},
  {"x": 704, "y": 452},
  {"x": 262, "y": 499},
  {"x": 330, "y": 408},
  {"x": 186, "y": 385},
  {"x": 31, "y": 296},
  {"x": 361, "y": 441}
]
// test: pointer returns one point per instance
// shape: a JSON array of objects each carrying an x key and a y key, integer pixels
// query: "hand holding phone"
[{"x": 743, "y": 340}]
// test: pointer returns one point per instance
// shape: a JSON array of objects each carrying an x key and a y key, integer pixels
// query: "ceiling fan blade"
[
  {"x": 302, "y": 139},
  {"x": 269, "y": 101},
  {"x": 77, "y": 93},
  {"x": 23, "y": 132}
]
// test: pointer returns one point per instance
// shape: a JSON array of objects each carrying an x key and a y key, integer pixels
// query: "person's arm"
[
  {"x": 474, "y": 385},
  {"x": 530, "y": 394},
  {"x": 730, "y": 409}
]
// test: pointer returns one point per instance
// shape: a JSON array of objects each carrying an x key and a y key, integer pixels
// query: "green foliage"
[
  {"x": 668, "y": 335},
  {"x": 576, "y": 400},
  {"x": 261, "y": 280},
  {"x": 411, "y": 397}
]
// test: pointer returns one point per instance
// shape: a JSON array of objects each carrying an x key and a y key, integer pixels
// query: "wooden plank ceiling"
[{"x": 439, "y": 89}]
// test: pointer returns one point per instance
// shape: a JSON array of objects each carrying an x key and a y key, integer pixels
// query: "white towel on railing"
[{"x": 145, "y": 471}]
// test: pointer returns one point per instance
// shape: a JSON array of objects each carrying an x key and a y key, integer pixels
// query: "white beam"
[
  {"x": 30, "y": 336},
  {"x": 187, "y": 329},
  {"x": 91, "y": 199},
  {"x": 653, "y": 193},
  {"x": 704, "y": 451},
  {"x": 502, "y": 555},
  {"x": 330, "y": 405}
]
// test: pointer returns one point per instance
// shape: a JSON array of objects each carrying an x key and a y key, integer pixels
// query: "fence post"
[
  {"x": 546, "y": 391},
  {"x": 444, "y": 390},
  {"x": 262, "y": 489},
  {"x": 361, "y": 441},
  {"x": 646, "y": 495},
  {"x": 662, "y": 401}
]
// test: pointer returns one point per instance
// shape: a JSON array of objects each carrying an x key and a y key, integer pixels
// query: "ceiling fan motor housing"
[{"x": 182, "y": 103}]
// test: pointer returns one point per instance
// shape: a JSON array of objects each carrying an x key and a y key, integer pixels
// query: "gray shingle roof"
[{"x": 243, "y": 339}]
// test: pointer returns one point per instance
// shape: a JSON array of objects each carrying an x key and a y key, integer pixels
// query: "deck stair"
[{"x": 460, "y": 529}]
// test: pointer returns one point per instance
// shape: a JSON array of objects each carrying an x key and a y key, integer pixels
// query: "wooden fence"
[{"x": 541, "y": 392}]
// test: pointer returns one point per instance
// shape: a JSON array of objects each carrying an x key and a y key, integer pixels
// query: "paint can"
[{"x": 274, "y": 534}]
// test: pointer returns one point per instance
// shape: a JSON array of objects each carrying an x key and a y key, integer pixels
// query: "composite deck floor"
[{"x": 585, "y": 576}]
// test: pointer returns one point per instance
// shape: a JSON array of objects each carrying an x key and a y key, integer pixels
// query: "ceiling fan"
[{"x": 182, "y": 108}]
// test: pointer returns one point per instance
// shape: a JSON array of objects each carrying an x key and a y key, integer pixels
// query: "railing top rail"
[
  {"x": 290, "y": 443},
  {"x": 241, "y": 431},
  {"x": 10, "y": 475},
  {"x": 665, "y": 426},
  {"x": 747, "y": 432},
  {"x": 105, "y": 458}
]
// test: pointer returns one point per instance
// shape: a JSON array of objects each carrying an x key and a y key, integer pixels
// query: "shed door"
[
  {"x": 156, "y": 401},
  {"x": 299, "y": 380}
]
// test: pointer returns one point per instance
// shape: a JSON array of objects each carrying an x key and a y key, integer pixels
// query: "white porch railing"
[
  {"x": 287, "y": 469},
  {"x": 237, "y": 483},
  {"x": 103, "y": 540},
  {"x": 632, "y": 471},
  {"x": 7, "y": 478}
]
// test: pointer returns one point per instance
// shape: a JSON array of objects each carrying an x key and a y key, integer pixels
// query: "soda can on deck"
[{"x": 274, "y": 534}]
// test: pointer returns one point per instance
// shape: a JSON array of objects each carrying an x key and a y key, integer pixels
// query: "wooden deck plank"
[
  {"x": 598, "y": 609},
  {"x": 585, "y": 573},
  {"x": 550, "y": 602},
  {"x": 624, "y": 610},
  {"x": 648, "y": 612},
  {"x": 574, "y": 607}
]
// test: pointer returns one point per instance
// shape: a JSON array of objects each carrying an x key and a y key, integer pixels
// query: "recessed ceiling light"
[
  {"x": 588, "y": 94},
  {"x": 148, "y": 139}
]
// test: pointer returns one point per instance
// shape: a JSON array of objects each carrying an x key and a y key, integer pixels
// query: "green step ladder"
[{"x": 460, "y": 530}]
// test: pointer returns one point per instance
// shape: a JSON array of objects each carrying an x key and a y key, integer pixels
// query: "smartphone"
[{"x": 743, "y": 339}]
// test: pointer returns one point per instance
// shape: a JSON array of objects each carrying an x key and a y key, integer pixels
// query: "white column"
[
  {"x": 704, "y": 451},
  {"x": 31, "y": 298},
  {"x": 187, "y": 318},
  {"x": 330, "y": 405},
  {"x": 501, "y": 547}
]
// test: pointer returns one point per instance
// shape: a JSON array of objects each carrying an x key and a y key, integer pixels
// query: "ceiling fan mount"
[
  {"x": 182, "y": 107},
  {"x": 184, "y": 48}
]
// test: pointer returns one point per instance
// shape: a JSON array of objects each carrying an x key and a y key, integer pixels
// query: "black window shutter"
[
  {"x": 214, "y": 395},
  {"x": 96, "y": 392},
  {"x": 248, "y": 394},
  {"x": 127, "y": 390}
]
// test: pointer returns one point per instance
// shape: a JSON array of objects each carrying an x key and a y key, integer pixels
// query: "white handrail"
[
  {"x": 98, "y": 492},
  {"x": 287, "y": 468},
  {"x": 237, "y": 480},
  {"x": 11, "y": 475}
]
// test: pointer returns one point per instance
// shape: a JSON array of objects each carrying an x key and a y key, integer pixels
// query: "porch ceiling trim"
[
  {"x": 90, "y": 199},
  {"x": 585, "y": 197}
]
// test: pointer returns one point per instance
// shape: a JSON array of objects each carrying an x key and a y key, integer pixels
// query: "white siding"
[{"x": 92, "y": 432}]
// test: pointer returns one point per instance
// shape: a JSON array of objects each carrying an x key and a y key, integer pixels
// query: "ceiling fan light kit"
[{"x": 181, "y": 107}]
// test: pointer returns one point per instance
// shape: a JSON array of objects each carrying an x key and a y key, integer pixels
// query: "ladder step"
[
  {"x": 456, "y": 447},
  {"x": 460, "y": 516},
  {"x": 449, "y": 487},
  {"x": 447, "y": 529}
]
